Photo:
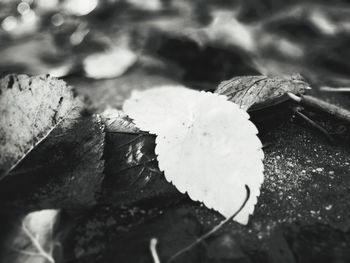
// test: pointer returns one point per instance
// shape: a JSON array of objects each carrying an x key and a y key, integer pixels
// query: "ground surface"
[{"x": 302, "y": 214}]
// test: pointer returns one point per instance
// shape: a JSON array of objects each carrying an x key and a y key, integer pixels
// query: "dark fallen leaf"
[
  {"x": 30, "y": 107},
  {"x": 257, "y": 92},
  {"x": 33, "y": 239},
  {"x": 131, "y": 167},
  {"x": 65, "y": 170}
]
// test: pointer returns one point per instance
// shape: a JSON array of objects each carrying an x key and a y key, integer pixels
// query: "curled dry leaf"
[
  {"x": 205, "y": 145},
  {"x": 131, "y": 167},
  {"x": 30, "y": 108},
  {"x": 33, "y": 241},
  {"x": 256, "y": 92}
]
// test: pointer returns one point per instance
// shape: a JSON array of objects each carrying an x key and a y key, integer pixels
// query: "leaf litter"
[
  {"x": 315, "y": 167},
  {"x": 314, "y": 213}
]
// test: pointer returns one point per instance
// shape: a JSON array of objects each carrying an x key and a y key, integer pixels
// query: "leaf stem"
[
  {"x": 313, "y": 124},
  {"x": 339, "y": 89},
  {"x": 153, "y": 248}
]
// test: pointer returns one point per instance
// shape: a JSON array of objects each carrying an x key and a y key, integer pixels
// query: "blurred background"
[{"x": 106, "y": 48}]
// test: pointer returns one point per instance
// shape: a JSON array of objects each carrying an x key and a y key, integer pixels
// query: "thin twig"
[
  {"x": 329, "y": 108},
  {"x": 153, "y": 248},
  {"x": 313, "y": 124},
  {"x": 294, "y": 97},
  {"x": 216, "y": 228},
  {"x": 339, "y": 89}
]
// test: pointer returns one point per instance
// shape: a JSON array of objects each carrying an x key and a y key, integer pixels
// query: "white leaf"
[
  {"x": 206, "y": 145},
  {"x": 109, "y": 64}
]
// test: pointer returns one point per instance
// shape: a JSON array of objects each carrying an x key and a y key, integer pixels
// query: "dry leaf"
[
  {"x": 30, "y": 107},
  {"x": 256, "y": 92},
  {"x": 205, "y": 145},
  {"x": 65, "y": 170},
  {"x": 34, "y": 240}
]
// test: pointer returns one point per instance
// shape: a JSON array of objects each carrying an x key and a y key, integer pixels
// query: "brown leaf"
[
  {"x": 257, "y": 92},
  {"x": 30, "y": 108}
]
